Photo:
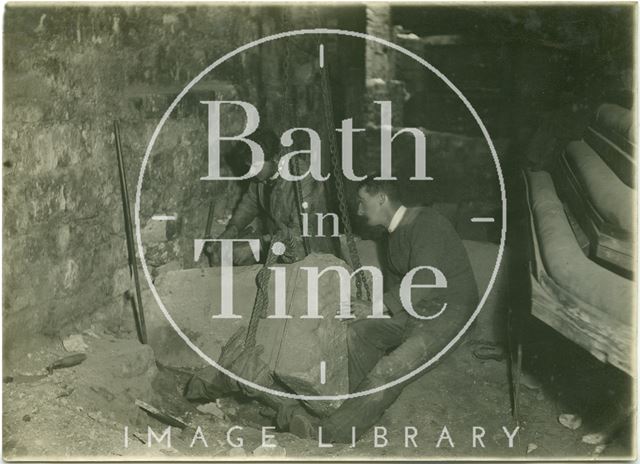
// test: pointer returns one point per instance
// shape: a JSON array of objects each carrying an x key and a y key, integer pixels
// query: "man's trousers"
[{"x": 381, "y": 351}]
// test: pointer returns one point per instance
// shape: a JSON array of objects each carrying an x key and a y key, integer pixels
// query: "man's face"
[
  {"x": 370, "y": 206},
  {"x": 268, "y": 170}
]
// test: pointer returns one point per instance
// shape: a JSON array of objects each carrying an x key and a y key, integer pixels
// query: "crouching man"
[
  {"x": 420, "y": 325},
  {"x": 380, "y": 351},
  {"x": 275, "y": 203}
]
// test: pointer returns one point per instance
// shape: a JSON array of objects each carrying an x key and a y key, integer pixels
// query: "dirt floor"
[{"x": 82, "y": 411}]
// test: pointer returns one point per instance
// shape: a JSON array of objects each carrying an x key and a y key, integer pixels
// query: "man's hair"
[
  {"x": 267, "y": 139},
  {"x": 389, "y": 187}
]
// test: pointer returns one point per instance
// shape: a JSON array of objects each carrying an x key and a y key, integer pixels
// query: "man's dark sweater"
[
  {"x": 426, "y": 238},
  {"x": 384, "y": 350}
]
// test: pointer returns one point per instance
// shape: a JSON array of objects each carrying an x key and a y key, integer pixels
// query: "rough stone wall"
[{"x": 69, "y": 72}]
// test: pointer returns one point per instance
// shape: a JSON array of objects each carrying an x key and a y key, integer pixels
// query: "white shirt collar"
[
  {"x": 397, "y": 217},
  {"x": 280, "y": 167}
]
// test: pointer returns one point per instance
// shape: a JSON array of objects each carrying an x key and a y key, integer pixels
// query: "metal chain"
[
  {"x": 261, "y": 302},
  {"x": 292, "y": 110},
  {"x": 264, "y": 275},
  {"x": 361, "y": 282}
]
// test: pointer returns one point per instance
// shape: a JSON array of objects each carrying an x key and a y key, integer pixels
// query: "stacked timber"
[
  {"x": 586, "y": 293},
  {"x": 596, "y": 178}
]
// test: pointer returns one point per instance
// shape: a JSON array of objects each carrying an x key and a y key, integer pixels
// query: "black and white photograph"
[{"x": 319, "y": 231}]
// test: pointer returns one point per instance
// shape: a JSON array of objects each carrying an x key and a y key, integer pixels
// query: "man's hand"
[
  {"x": 213, "y": 249},
  {"x": 361, "y": 309}
]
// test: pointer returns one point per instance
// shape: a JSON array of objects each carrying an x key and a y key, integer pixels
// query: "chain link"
[
  {"x": 262, "y": 279},
  {"x": 361, "y": 281},
  {"x": 290, "y": 109}
]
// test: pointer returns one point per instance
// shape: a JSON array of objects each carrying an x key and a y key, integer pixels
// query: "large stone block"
[
  {"x": 192, "y": 298},
  {"x": 294, "y": 347},
  {"x": 306, "y": 347}
]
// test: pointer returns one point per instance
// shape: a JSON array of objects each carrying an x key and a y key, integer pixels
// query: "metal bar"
[
  {"x": 207, "y": 232},
  {"x": 138, "y": 312}
]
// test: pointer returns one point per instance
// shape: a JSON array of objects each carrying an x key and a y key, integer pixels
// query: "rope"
[
  {"x": 264, "y": 275},
  {"x": 261, "y": 302}
]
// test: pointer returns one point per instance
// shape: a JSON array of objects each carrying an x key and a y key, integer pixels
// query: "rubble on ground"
[{"x": 87, "y": 409}]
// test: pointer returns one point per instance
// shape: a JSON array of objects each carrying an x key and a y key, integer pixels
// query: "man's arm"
[
  {"x": 312, "y": 193},
  {"x": 426, "y": 249},
  {"x": 291, "y": 224},
  {"x": 246, "y": 211}
]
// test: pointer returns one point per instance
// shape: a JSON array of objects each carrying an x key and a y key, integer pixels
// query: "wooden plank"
[
  {"x": 616, "y": 158},
  {"x": 563, "y": 258},
  {"x": 162, "y": 416},
  {"x": 581, "y": 237},
  {"x": 621, "y": 140},
  {"x": 608, "y": 242},
  {"x": 536, "y": 264},
  {"x": 605, "y": 337}
]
